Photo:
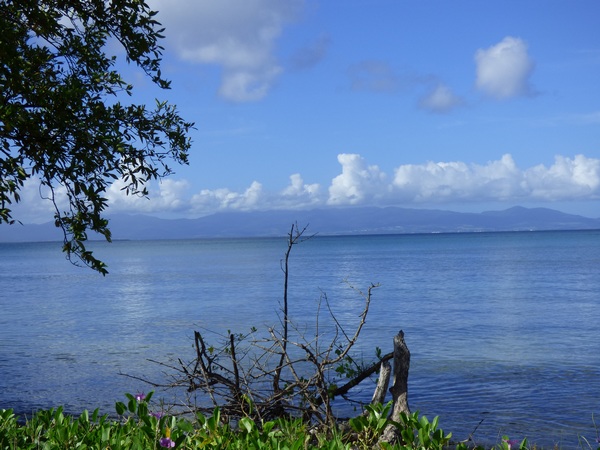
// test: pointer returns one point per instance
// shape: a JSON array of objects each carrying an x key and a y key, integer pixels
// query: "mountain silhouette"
[{"x": 330, "y": 221}]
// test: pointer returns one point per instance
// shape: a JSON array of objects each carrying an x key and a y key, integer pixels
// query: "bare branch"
[{"x": 285, "y": 371}]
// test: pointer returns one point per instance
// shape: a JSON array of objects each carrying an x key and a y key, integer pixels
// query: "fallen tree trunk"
[{"x": 342, "y": 390}]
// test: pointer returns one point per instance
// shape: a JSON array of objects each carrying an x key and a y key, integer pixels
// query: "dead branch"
[{"x": 287, "y": 372}]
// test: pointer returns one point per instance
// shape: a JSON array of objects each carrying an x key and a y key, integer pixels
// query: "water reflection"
[{"x": 134, "y": 290}]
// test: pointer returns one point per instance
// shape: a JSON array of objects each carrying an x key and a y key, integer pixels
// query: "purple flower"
[
  {"x": 167, "y": 442},
  {"x": 140, "y": 396},
  {"x": 158, "y": 414},
  {"x": 512, "y": 442}
]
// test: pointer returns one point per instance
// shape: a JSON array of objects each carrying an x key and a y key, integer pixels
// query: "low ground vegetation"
[{"x": 139, "y": 426}]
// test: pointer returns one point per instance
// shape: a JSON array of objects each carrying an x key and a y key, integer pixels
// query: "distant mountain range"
[{"x": 331, "y": 221}]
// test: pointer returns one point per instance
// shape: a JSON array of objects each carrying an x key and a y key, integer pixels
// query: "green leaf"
[
  {"x": 246, "y": 424},
  {"x": 121, "y": 408},
  {"x": 185, "y": 426},
  {"x": 132, "y": 405},
  {"x": 142, "y": 409},
  {"x": 105, "y": 433},
  {"x": 149, "y": 396}
]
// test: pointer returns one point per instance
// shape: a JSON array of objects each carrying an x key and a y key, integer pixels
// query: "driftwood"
[
  {"x": 287, "y": 372},
  {"x": 308, "y": 389},
  {"x": 399, "y": 389}
]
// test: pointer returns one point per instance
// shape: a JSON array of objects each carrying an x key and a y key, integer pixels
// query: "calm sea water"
[{"x": 502, "y": 327}]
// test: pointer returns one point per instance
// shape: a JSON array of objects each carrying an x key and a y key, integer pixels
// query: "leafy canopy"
[{"x": 62, "y": 120}]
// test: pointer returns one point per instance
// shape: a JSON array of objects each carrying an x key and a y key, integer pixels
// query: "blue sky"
[{"x": 466, "y": 105}]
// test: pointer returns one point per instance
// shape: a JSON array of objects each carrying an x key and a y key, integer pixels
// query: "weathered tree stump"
[{"x": 399, "y": 389}]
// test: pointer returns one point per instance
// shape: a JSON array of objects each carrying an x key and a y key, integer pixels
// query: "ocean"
[{"x": 503, "y": 328}]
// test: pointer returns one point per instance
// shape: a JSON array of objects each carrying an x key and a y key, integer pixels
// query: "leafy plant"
[
  {"x": 137, "y": 427},
  {"x": 418, "y": 433},
  {"x": 370, "y": 426}
]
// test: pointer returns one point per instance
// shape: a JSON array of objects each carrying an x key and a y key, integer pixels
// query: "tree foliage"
[{"x": 66, "y": 115}]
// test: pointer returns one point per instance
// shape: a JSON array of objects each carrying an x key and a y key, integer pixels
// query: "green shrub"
[{"x": 136, "y": 427}]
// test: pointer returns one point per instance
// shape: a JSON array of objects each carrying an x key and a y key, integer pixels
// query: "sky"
[{"x": 464, "y": 105}]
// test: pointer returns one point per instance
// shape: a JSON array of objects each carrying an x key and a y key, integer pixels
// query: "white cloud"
[
  {"x": 240, "y": 37},
  {"x": 166, "y": 196},
  {"x": 357, "y": 183},
  {"x": 298, "y": 195},
  {"x": 457, "y": 181},
  {"x": 243, "y": 86},
  {"x": 566, "y": 179},
  {"x": 297, "y": 188},
  {"x": 430, "y": 184},
  {"x": 35, "y": 205},
  {"x": 436, "y": 183},
  {"x": 209, "y": 201},
  {"x": 503, "y": 70},
  {"x": 440, "y": 99}
]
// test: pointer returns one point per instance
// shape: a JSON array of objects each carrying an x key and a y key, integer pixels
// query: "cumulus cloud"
[
  {"x": 430, "y": 184},
  {"x": 503, "y": 70},
  {"x": 438, "y": 182},
  {"x": 440, "y": 99},
  {"x": 358, "y": 182},
  {"x": 566, "y": 179},
  {"x": 240, "y": 37},
  {"x": 297, "y": 189},
  {"x": 167, "y": 196},
  {"x": 208, "y": 201}
]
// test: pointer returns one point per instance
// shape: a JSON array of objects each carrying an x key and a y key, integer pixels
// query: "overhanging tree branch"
[{"x": 61, "y": 121}]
